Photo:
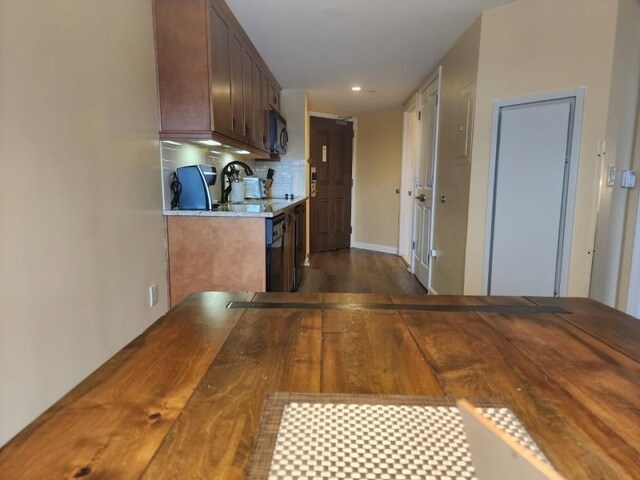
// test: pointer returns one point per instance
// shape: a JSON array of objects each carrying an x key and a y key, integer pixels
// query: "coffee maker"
[{"x": 190, "y": 187}]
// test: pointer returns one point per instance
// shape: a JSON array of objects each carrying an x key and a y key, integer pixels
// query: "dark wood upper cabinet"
[
  {"x": 219, "y": 34},
  {"x": 247, "y": 89},
  {"x": 237, "y": 97},
  {"x": 258, "y": 121},
  {"x": 212, "y": 81},
  {"x": 265, "y": 112}
]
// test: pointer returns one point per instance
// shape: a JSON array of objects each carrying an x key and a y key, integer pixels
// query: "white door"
[
  {"x": 424, "y": 181},
  {"x": 530, "y": 197}
]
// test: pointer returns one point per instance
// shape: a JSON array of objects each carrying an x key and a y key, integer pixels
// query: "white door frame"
[
  {"x": 633, "y": 296},
  {"x": 574, "y": 161},
  {"x": 354, "y": 121},
  {"x": 436, "y": 76},
  {"x": 405, "y": 218}
]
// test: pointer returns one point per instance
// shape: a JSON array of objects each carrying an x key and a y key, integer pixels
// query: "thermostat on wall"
[{"x": 628, "y": 179}]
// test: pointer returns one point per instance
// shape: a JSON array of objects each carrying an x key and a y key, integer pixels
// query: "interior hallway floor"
[{"x": 352, "y": 270}]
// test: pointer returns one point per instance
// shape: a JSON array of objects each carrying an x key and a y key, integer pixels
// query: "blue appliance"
[{"x": 191, "y": 187}]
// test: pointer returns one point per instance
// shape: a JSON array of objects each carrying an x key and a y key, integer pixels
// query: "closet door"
[{"x": 530, "y": 198}]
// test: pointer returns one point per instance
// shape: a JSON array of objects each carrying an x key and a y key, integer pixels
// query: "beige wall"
[
  {"x": 459, "y": 68},
  {"x": 532, "y": 47},
  {"x": 81, "y": 235},
  {"x": 621, "y": 123},
  {"x": 377, "y": 175}
]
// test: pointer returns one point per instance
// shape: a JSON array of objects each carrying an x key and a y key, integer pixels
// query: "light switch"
[{"x": 611, "y": 176}]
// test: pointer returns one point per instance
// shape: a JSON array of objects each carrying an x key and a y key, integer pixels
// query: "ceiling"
[{"x": 327, "y": 46}]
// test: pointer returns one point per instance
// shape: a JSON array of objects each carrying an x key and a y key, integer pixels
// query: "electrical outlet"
[{"x": 153, "y": 295}]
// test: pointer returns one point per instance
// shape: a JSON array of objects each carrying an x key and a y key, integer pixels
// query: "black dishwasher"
[{"x": 275, "y": 253}]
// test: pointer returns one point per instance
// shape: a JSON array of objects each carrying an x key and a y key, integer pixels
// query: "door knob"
[
  {"x": 421, "y": 198},
  {"x": 443, "y": 199}
]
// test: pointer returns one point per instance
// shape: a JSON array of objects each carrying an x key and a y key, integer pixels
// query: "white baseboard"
[{"x": 374, "y": 248}]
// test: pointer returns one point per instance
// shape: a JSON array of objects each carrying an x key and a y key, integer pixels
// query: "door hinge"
[
  {"x": 420, "y": 115},
  {"x": 437, "y": 99},
  {"x": 413, "y": 245}
]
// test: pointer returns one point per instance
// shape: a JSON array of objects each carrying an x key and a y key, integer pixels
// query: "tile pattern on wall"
[{"x": 289, "y": 177}]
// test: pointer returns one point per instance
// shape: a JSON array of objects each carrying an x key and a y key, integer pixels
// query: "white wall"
[
  {"x": 377, "y": 175},
  {"x": 621, "y": 126},
  {"x": 541, "y": 46},
  {"x": 81, "y": 234}
]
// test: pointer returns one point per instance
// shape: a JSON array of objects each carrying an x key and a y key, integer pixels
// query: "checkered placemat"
[{"x": 372, "y": 440}]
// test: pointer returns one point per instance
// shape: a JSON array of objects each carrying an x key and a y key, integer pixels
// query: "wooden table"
[{"x": 183, "y": 400}]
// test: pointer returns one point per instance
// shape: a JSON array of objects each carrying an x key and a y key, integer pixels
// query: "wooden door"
[
  {"x": 330, "y": 204},
  {"x": 237, "y": 102},
  {"x": 220, "y": 74},
  {"x": 247, "y": 93}
]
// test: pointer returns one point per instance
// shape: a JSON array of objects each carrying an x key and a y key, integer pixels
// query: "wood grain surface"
[{"x": 184, "y": 400}]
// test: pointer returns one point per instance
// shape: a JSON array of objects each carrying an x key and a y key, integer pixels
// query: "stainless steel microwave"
[{"x": 278, "y": 131}]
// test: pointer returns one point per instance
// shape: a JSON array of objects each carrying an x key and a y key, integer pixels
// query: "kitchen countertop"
[
  {"x": 184, "y": 399},
  {"x": 249, "y": 208}
]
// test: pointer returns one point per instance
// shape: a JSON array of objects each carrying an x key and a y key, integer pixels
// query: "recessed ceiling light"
[
  {"x": 242, "y": 152},
  {"x": 356, "y": 88},
  {"x": 212, "y": 143},
  {"x": 171, "y": 142}
]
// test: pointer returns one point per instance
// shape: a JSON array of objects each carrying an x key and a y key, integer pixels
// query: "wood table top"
[{"x": 184, "y": 399}]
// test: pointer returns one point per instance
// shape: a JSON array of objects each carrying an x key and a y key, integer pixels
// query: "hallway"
[{"x": 353, "y": 270}]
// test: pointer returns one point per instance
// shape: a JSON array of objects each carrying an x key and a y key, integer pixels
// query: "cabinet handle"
[
  {"x": 264, "y": 140},
  {"x": 233, "y": 123},
  {"x": 246, "y": 130}
]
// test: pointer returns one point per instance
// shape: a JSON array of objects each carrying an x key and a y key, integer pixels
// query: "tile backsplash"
[{"x": 289, "y": 177}]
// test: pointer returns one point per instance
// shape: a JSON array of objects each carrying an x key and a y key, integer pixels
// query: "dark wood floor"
[{"x": 352, "y": 270}]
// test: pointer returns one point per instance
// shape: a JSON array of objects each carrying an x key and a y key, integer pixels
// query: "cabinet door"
[
  {"x": 220, "y": 74},
  {"x": 247, "y": 90},
  {"x": 289, "y": 252},
  {"x": 274, "y": 96},
  {"x": 265, "y": 112},
  {"x": 258, "y": 121},
  {"x": 237, "y": 102}
]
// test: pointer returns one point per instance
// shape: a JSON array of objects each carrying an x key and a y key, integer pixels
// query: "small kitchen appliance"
[
  {"x": 279, "y": 135},
  {"x": 252, "y": 187},
  {"x": 190, "y": 187}
]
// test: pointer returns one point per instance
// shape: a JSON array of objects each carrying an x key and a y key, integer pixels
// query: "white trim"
[
  {"x": 353, "y": 120},
  {"x": 578, "y": 94},
  {"x": 431, "y": 291},
  {"x": 633, "y": 297},
  {"x": 374, "y": 248},
  {"x": 405, "y": 232},
  {"x": 436, "y": 76}
]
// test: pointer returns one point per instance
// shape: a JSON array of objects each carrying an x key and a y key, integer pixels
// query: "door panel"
[
  {"x": 424, "y": 181},
  {"x": 221, "y": 74},
  {"x": 258, "y": 121},
  {"x": 247, "y": 92},
  {"x": 237, "y": 103},
  {"x": 529, "y": 198},
  {"x": 330, "y": 204}
]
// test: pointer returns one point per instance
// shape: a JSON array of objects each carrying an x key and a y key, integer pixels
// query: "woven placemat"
[{"x": 305, "y": 436}]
